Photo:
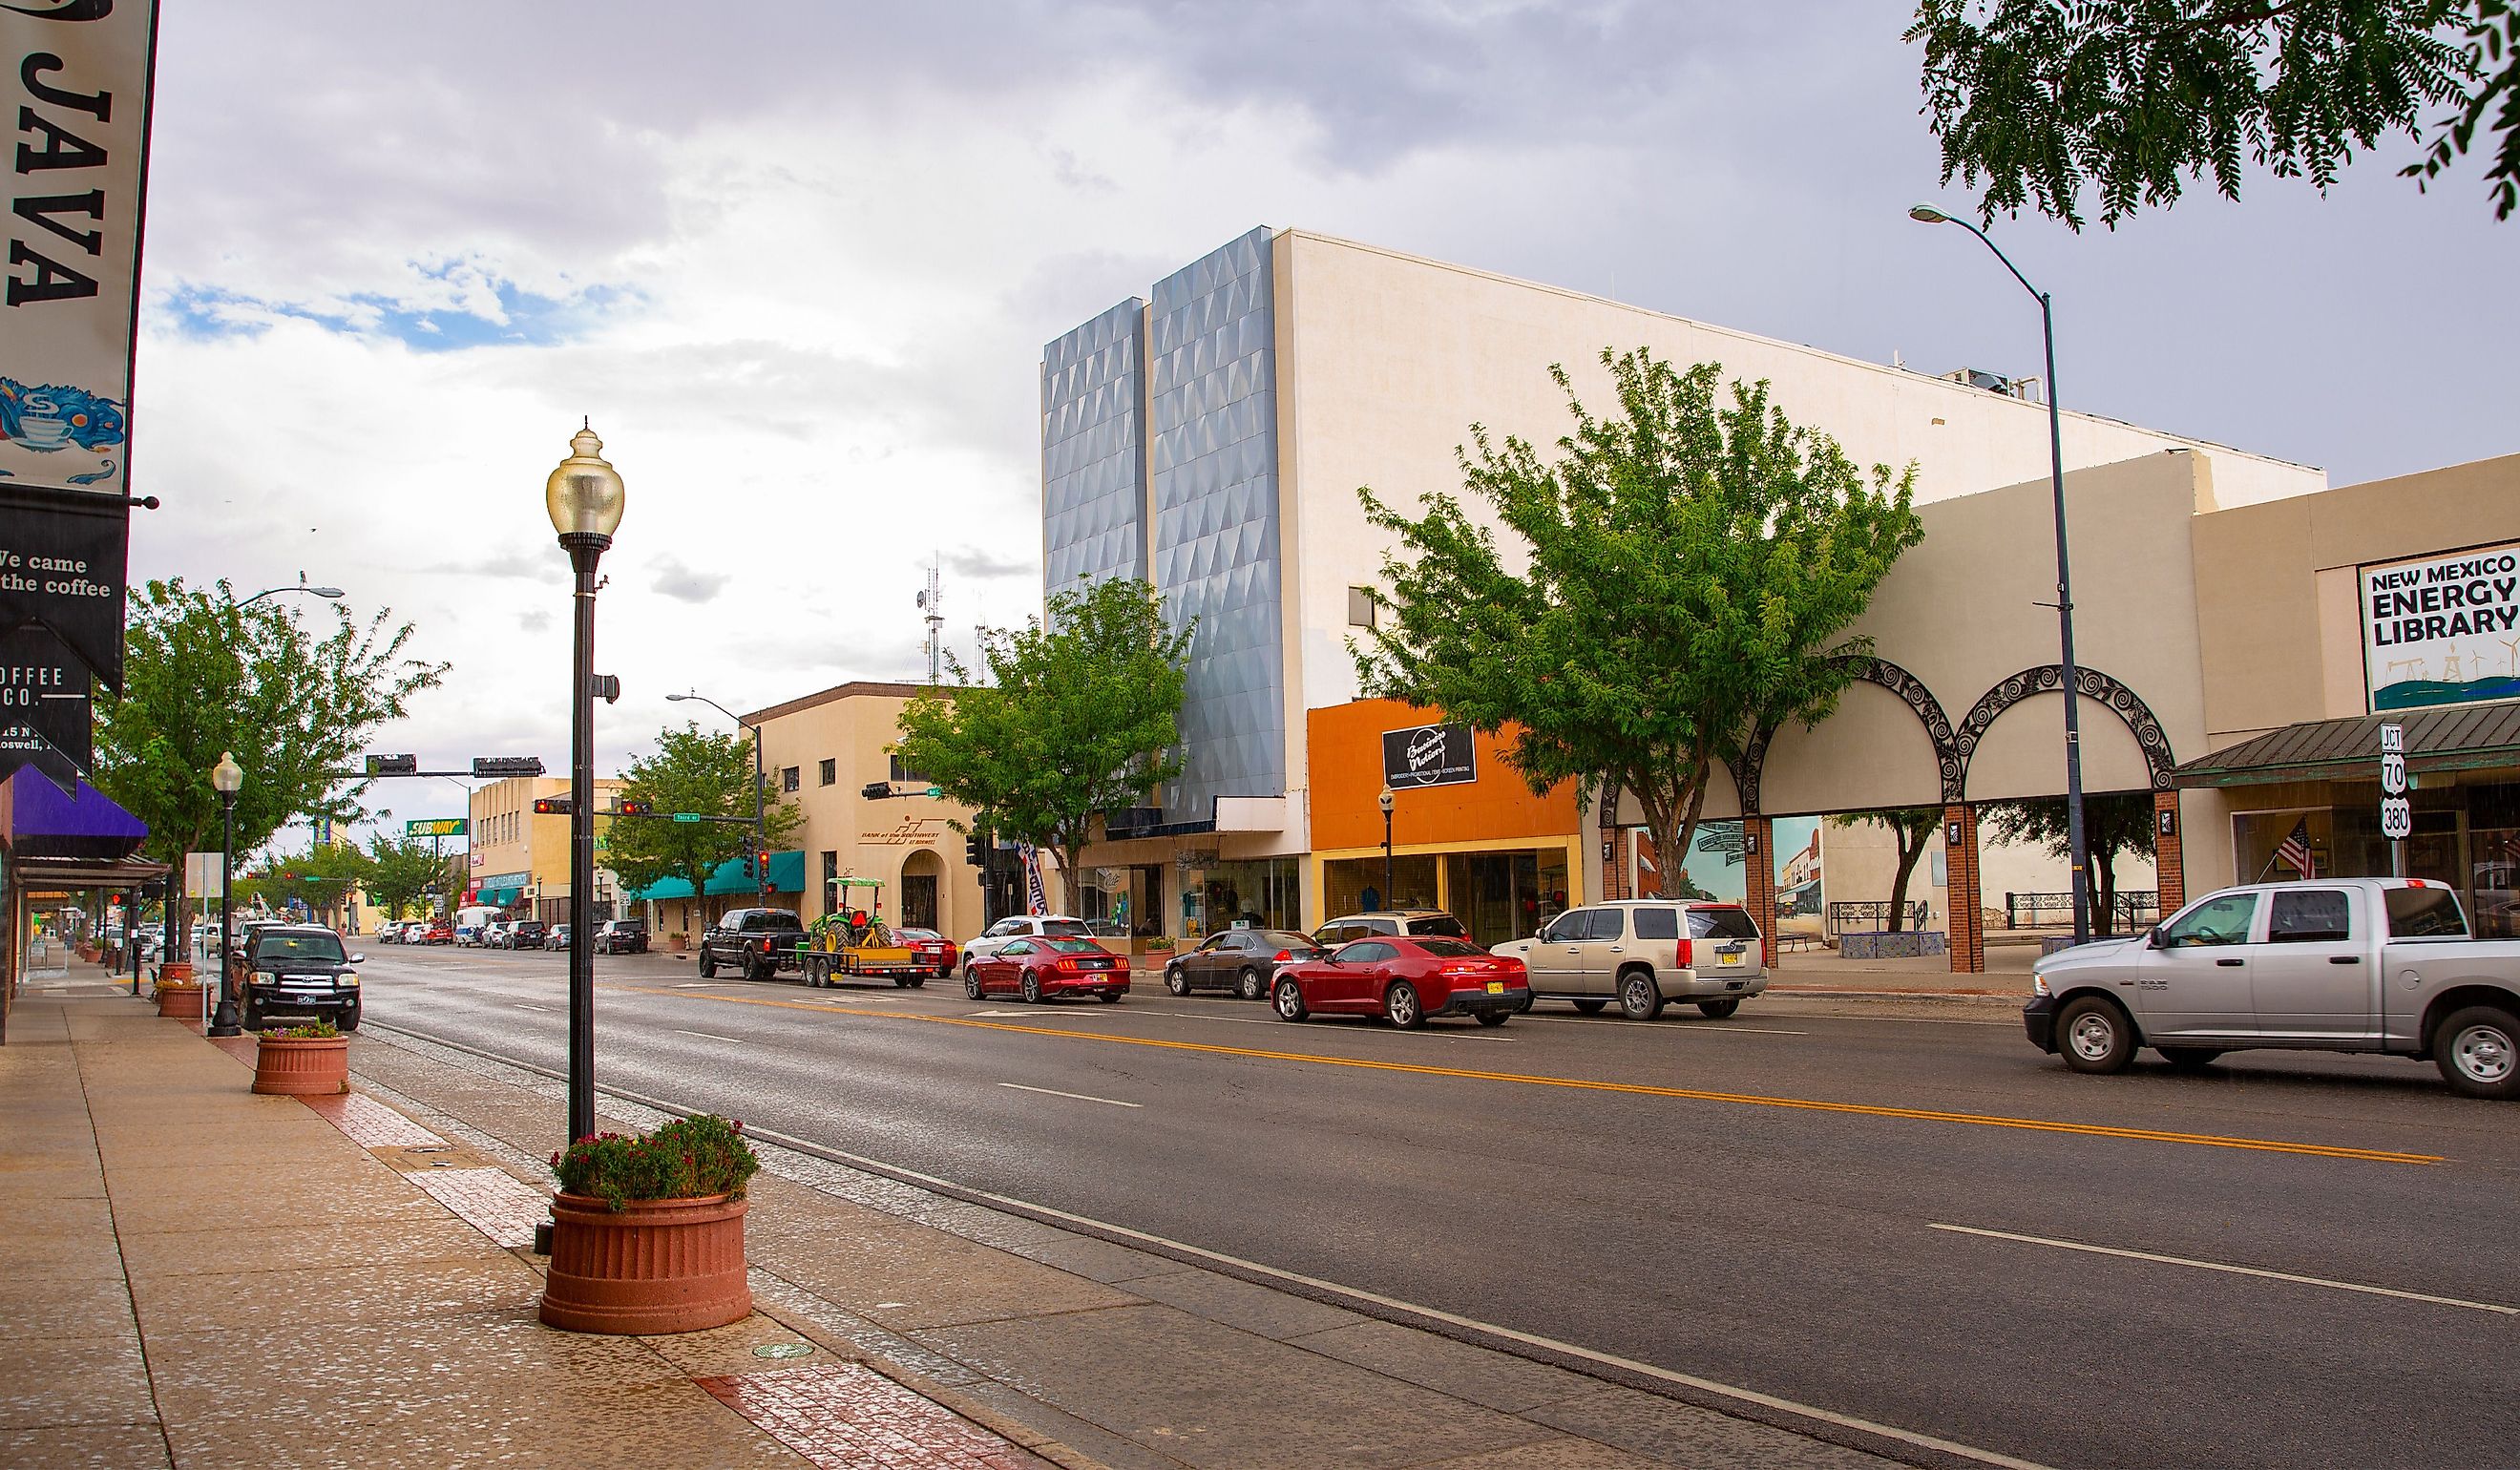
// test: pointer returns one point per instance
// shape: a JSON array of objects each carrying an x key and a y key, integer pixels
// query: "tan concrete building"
[
  {"x": 822, "y": 752},
  {"x": 519, "y": 858}
]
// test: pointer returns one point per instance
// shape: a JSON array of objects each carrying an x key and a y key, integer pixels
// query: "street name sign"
[
  {"x": 506, "y": 765},
  {"x": 393, "y": 765}
]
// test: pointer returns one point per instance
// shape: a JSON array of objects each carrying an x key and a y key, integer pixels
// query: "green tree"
[
  {"x": 203, "y": 676},
  {"x": 2133, "y": 98},
  {"x": 321, "y": 878},
  {"x": 693, "y": 771},
  {"x": 1079, "y": 718},
  {"x": 1911, "y": 830},
  {"x": 1691, "y": 569},
  {"x": 2121, "y": 821},
  {"x": 400, "y": 869}
]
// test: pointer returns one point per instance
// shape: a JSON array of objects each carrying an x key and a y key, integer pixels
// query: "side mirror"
[
  {"x": 358, "y": 959},
  {"x": 2152, "y": 938}
]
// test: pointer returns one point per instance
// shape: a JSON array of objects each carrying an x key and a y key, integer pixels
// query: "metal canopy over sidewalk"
[{"x": 2471, "y": 737}]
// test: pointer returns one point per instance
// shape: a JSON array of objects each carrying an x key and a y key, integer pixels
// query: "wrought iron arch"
[
  {"x": 2091, "y": 683},
  {"x": 1950, "y": 765}
]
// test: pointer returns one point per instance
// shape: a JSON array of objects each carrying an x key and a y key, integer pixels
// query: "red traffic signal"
[
  {"x": 554, "y": 805},
  {"x": 632, "y": 806}
]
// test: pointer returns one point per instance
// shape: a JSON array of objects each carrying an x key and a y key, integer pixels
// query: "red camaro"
[
  {"x": 936, "y": 953},
  {"x": 1404, "y": 980},
  {"x": 1039, "y": 969}
]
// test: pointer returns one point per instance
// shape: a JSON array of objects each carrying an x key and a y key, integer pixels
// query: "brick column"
[
  {"x": 2169, "y": 864},
  {"x": 1759, "y": 880},
  {"x": 1968, "y": 912},
  {"x": 1614, "y": 864}
]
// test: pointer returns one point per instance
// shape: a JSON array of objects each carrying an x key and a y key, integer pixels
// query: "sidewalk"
[
  {"x": 1822, "y": 973},
  {"x": 203, "y": 1278}
]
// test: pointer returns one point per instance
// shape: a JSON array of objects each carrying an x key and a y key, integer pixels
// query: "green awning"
[
  {"x": 788, "y": 872},
  {"x": 500, "y": 897}
]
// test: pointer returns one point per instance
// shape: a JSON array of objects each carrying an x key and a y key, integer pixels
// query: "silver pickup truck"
[{"x": 2332, "y": 965}]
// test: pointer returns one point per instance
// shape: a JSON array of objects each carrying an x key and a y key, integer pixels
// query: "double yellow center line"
[{"x": 1587, "y": 1084}]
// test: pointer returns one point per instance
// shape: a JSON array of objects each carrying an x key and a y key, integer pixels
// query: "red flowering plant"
[
  {"x": 688, "y": 1158},
  {"x": 307, "y": 1031}
]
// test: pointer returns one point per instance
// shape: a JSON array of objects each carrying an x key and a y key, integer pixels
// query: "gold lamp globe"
[
  {"x": 584, "y": 495},
  {"x": 227, "y": 776}
]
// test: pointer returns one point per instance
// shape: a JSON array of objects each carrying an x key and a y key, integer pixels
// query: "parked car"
[
  {"x": 1434, "y": 921},
  {"x": 1643, "y": 953},
  {"x": 526, "y": 934},
  {"x": 1241, "y": 960},
  {"x": 2330, "y": 964},
  {"x": 439, "y": 932},
  {"x": 1024, "y": 927},
  {"x": 556, "y": 937},
  {"x": 1405, "y": 981},
  {"x": 621, "y": 936},
  {"x": 936, "y": 955},
  {"x": 758, "y": 942},
  {"x": 389, "y": 933},
  {"x": 299, "y": 970},
  {"x": 1046, "y": 967}
]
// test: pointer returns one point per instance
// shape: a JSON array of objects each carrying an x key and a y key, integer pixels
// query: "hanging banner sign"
[
  {"x": 1428, "y": 755},
  {"x": 44, "y": 707},
  {"x": 2443, "y": 630},
  {"x": 78, "y": 81},
  {"x": 62, "y": 559}
]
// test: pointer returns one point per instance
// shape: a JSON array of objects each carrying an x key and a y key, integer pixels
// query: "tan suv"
[{"x": 1643, "y": 953}]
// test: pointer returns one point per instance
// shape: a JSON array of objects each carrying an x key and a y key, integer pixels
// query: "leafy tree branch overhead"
[
  {"x": 2127, "y": 101},
  {"x": 1692, "y": 565},
  {"x": 702, "y": 771}
]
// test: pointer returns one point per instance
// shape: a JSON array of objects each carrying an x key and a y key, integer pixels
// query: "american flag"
[
  {"x": 1036, "y": 899},
  {"x": 2293, "y": 852}
]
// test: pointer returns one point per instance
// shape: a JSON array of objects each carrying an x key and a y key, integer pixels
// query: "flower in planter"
[
  {"x": 304, "y": 1031},
  {"x": 687, "y": 1158}
]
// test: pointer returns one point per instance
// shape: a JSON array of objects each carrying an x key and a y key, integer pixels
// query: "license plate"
[
  {"x": 1496, "y": 987},
  {"x": 1727, "y": 959}
]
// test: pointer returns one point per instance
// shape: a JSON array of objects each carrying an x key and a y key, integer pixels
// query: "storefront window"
[
  {"x": 1505, "y": 896},
  {"x": 2493, "y": 860},
  {"x": 1355, "y": 885},
  {"x": 1125, "y": 900},
  {"x": 1263, "y": 893}
]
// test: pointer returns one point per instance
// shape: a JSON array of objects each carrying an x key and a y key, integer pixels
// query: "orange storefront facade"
[{"x": 1468, "y": 838}]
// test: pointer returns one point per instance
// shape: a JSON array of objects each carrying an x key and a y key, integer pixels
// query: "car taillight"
[
  {"x": 1282, "y": 957},
  {"x": 1687, "y": 955}
]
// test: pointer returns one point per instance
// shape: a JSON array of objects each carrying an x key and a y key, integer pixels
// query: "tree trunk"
[
  {"x": 1696, "y": 791},
  {"x": 2104, "y": 918},
  {"x": 1910, "y": 848},
  {"x": 1071, "y": 880}
]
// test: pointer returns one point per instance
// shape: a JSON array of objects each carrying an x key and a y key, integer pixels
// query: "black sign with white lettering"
[
  {"x": 44, "y": 707},
  {"x": 1428, "y": 755},
  {"x": 506, "y": 765},
  {"x": 62, "y": 569}
]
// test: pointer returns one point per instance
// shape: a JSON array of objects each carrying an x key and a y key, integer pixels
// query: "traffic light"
[
  {"x": 554, "y": 805},
  {"x": 876, "y": 790},
  {"x": 751, "y": 873},
  {"x": 975, "y": 851},
  {"x": 761, "y": 867},
  {"x": 633, "y": 807}
]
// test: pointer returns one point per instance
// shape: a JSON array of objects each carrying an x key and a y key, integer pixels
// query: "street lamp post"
[
  {"x": 760, "y": 790},
  {"x": 228, "y": 779},
  {"x": 2076, "y": 846},
  {"x": 1384, "y": 801},
  {"x": 584, "y": 497},
  {"x": 333, "y": 594}
]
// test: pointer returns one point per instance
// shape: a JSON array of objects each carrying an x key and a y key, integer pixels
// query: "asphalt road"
[{"x": 1870, "y": 1210}]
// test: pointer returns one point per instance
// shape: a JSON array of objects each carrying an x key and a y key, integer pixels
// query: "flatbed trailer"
[{"x": 857, "y": 945}]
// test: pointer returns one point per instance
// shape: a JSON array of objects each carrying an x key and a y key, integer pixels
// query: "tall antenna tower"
[{"x": 932, "y": 603}]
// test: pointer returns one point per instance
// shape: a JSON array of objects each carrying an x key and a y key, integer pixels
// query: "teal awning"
[
  {"x": 787, "y": 876},
  {"x": 500, "y": 897}
]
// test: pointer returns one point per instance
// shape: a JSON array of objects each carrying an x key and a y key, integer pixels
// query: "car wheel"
[
  {"x": 918, "y": 982},
  {"x": 2093, "y": 1036},
  {"x": 252, "y": 1016},
  {"x": 1110, "y": 998},
  {"x": 901, "y": 982},
  {"x": 2190, "y": 1058},
  {"x": 757, "y": 968},
  {"x": 1494, "y": 1017},
  {"x": 1592, "y": 1007},
  {"x": 1031, "y": 989},
  {"x": 1402, "y": 1007},
  {"x": 1249, "y": 986},
  {"x": 1719, "y": 1011},
  {"x": 971, "y": 982},
  {"x": 1524, "y": 1009},
  {"x": 349, "y": 1019},
  {"x": 1639, "y": 998},
  {"x": 1175, "y": 981},
  {"x": 2474, "y": 1047},
  {"x": 709, "y": 965},
  {"x": 1287, "y": 1001}
]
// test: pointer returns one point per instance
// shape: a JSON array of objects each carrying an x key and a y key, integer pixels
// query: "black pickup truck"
[
  {"x": 756, "y": 943},
  {"x": 299, "y": 970}
]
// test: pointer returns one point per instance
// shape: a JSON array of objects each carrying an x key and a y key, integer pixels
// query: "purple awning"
[{"x": 38, "y": 820}]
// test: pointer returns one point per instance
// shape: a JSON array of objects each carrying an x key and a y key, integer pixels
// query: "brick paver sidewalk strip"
[
  {"x": 492, "y": 1201},
  {"x": 371, "y": 1124},
  {"x": 842, "y": 1416}
]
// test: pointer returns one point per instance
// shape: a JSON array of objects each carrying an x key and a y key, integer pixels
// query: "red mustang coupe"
[
  {"x": 1404, "y": 980},
  {"x": 936, "y": 953},
  {"x": 1041, "y": 968}
]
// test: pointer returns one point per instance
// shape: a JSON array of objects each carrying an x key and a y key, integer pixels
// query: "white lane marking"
[
  {"x": 2237, "y": 1270},
  {"x": 1079, "y": 1096},
  {"x": 709, "y": 1035},
  {"x": 521, "y": 1006},
  {"x": 1715, "y": 1028}
]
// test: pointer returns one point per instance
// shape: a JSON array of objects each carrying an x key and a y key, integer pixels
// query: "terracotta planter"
[
  {"x": 657, "y": 1266},
  {"x": 183, "y": 1002},
  {"x": 302, "y": 1066},
  {"x": 175, "y": 972}
]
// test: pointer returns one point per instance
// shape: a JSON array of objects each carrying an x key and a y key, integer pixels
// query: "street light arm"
[{"x": 1985, "y": 239}]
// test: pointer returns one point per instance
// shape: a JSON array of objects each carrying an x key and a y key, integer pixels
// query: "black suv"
[
  {"x": 622, "y": 936},
  {"x": 757, "y": 942},
  {"x": 526, "y": 934},
  {"x": 299, "y": 970}
]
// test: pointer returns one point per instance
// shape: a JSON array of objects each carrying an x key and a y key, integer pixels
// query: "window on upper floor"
[
  {"x": 1360, "y": 607},
  {"x": 903, "y": 773},
  {"x": 831, "y": 769},
  {"x": 790, "y": 778}
]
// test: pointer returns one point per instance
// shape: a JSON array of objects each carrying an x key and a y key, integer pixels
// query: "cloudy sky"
[{"x": 796, "y": 262}]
